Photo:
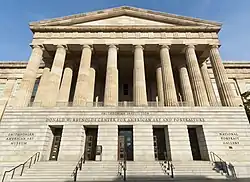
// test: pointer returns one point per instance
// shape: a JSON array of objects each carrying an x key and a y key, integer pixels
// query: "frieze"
[
  {"x": 122, "y": 119},
  {"x": 127, "y": 35}
]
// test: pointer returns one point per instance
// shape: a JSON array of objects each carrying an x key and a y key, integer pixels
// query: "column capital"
[
  {"x": 62, "y": 46},
  {"x": 213, "y": 46},
  {"x": 41, "y": 46},
  {"x": 165, "y": 46},
  {"x": 139, "y": 46},
  {"x": 88, "y": 46},
  {"x": 113, "y": 46}
]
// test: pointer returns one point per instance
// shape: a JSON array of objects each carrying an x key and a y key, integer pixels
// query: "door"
[
  {"x": 91, "y": 142},
  {"x": 159, "y": 143},
  {"x": 55, "y": 147},
  {"x": 194, "y": 143},
  {"x": 125, "y": 144}
]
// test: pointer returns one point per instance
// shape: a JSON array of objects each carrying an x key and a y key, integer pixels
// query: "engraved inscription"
[
  {"x": 229, "y": 138},
  {"x": 20, "y": 138},
  {"x": 116, "y": 119}
]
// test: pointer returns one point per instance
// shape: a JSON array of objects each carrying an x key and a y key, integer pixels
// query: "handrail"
[
  {"x": 170, "y": 165},
  {"x": 221, "y": 163},
  {"x": 79, "y": 166},
  {"x": 123, "y": 165},
  {"x": 36, "y": 155}
]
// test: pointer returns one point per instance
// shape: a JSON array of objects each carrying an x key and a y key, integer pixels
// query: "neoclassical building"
[{"x": 125, "y": 83}]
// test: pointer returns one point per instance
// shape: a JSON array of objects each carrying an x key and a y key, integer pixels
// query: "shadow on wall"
[{"x": 156, "y": 178}]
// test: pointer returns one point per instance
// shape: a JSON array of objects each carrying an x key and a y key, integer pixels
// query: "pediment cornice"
[
  {"x": 125, "y": 28},
  {"x": 179, "y": 21}
]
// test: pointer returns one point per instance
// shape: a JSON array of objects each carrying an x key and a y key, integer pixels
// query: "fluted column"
[
  {"x": 41, "y": 90},
  {"x": 199, "y": 91},
  {"x": 224, "y": 88},
  {"x": 63, "y": 96},
  {"x": 159, "y": 85},
  {"x": 139, "y": 81},
  {"x": 91, "y": 85},
  {"x": 55, "y": 76},
  {"x": 111, "y": 84},
  {"x": 167, "y": 77},
  {"x": 81, "y": 91},
  {"x": 29, "y": 77},
  {"x": 186, "y": 90},
  {"x": 208, "y": 85}
]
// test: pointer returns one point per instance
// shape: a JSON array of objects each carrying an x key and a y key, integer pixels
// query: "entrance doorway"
[
  {"x": 57, "y": 135},
  {"x": 125, "y": 143},
  {"x": 160, "y": 150},
  {"x": 91, "y": 142},
  {"x": 198, "y": 143}
]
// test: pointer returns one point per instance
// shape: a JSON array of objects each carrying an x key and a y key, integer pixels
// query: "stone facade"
[{"x": 148, "y": 72}]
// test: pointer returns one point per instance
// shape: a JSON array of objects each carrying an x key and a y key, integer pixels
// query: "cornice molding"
[{"x": 125, "y": 28}]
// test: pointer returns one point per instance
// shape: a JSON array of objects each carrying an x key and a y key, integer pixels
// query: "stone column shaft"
[
  {"x": 111, "y": 84},
  {"x": 224, "y": 88},
  {"x": 41, "y": 90},
  {"x": 186, "y": 90},
  {"x": 55, "y": 76},
  {"x": 139, "y": 81},
  {"x": 208, "y": 85},
  {"x": 81, "y": 91},
  {"x": 167, "y": 77},
  {"x": 160, "y": 86},
  {"x": 63, "y": 96},
  {"x": 199, "y": 91},
  {"x": 91, "y": 85},
  {"x": 29, "y": 77}
]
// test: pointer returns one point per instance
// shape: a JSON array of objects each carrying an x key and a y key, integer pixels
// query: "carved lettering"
[
  {"x": 20, "y": 138},
  {"x": 229, "y": 138}
]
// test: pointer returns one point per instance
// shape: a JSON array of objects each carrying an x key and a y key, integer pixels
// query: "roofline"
[{"x": 124, "y": 10}]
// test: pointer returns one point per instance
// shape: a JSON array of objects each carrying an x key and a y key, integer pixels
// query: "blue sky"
[{"x": 15, "y": 15}]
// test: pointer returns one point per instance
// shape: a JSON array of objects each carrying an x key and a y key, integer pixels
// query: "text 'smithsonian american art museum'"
[{"x": 127, "y": 84}]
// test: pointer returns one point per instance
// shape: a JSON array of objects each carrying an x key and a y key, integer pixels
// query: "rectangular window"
[
  {"x": 125, "y": 89},
  {"x": 34, "y": 90}
]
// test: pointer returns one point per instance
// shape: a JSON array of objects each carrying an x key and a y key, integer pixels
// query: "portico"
[{"x": 172, "y": 74}]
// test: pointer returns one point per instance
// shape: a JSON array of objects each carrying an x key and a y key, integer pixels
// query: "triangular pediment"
[
  {"x": 123, "y": 20},
  {"x": 128, "y": 15},
  {"x": 123, "y": 17}
]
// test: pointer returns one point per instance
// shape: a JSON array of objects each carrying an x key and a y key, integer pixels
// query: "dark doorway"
[
  {"x": 159, "y": 143},
  {"x": 57, "y": 135},
  {"x": 125, "y": 144},
  {"x": 91, "y": 142},
  {"x": 194, "y": 143}
]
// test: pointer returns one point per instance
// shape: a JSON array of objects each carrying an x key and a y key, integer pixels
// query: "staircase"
[
  {"x": 197, "y": 170},
  {"x": 47, "y": 171},
  {"x": 99, "y": 171}
]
